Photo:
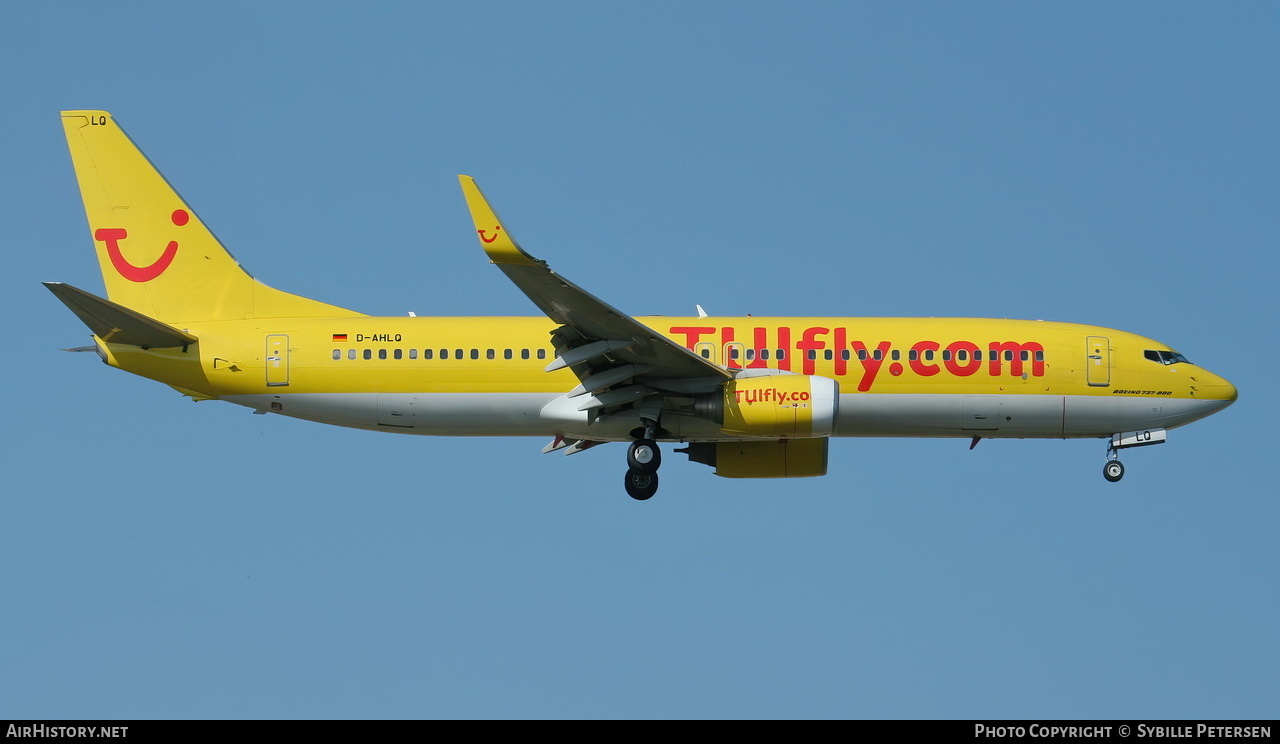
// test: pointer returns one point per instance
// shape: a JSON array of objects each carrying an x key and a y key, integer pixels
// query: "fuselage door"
[
  {"x": 277, "y": 359},
  {"x": 1098, "y": 361},
  {"x": 707, "y": 351}
]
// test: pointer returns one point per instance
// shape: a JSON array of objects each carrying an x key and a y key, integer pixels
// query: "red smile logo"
[
  {"x": 112, "y": 237},
  {"x": 496, "y": 229}
]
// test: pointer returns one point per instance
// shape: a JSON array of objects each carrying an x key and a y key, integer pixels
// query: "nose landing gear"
[{"x": 1113, "y": 470}]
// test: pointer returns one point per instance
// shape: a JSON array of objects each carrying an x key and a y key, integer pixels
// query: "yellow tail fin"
[{"x": 157, "y": 257}]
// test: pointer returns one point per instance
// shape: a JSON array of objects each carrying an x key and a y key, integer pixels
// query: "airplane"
[{"x": 751, "y": 397}]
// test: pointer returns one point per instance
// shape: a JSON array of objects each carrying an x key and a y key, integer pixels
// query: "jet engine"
[{"x": 775, "y": 407}]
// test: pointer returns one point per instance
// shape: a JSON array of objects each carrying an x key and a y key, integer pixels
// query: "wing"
[{"x": 616, "y": 358}]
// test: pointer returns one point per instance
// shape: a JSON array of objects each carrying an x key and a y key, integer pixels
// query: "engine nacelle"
[{"x": 777, "y": 406}]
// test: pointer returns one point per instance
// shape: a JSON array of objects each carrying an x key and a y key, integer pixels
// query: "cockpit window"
[{"x": 1165, "y": 357}]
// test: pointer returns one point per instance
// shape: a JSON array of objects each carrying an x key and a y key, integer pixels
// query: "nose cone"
[{"x": 1215, "y": 387}]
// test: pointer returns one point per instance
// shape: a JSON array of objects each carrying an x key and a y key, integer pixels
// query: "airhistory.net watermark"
[{"x": 47, "y": 731}]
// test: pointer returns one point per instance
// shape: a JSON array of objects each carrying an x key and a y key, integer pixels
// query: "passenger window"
[
  {"x": 751, "y": 354},
  {"x": 1008, "y": 356},
  {"x": 426, "y": 353},
  {"x": 397, "y": 354},
  {"x": 812, "y": 354},
  {"x": 913, "y": 355},
  {"x": 413, "y": 353},
  {"x": 844, "y": 354},
  {"x": 444, "y": 353},
  {"x": 475, "y": 353},
  {"x": 946, "y": 355},
  {"x": 764, "y": 354},
  {"x": 706, "y": 353},
  {"x": 962, "y": 355},
  {"x": 862, "y": 355},
  {"x": 368, "y": 353},
  {"x": 351, "y": 353},
  {"x": 1039, "y": 356},
  {"x": 782, "y": 354},
  {"x": 524, "y": 353},
  {"x": 542, "y": 353},
  {"x": 506, "y": 353},
  {"x": 895, "y": 355},
  {"x": 337, "y": 353},
  {"x": 878, "y": 355},
  {"x": 382, "y": 353},
  {"x": 457, "y": 354},
  {"x": 1025, "y": 355},
  {"x": 828, "y": 355},
  {"x": 490, "y": 354}
]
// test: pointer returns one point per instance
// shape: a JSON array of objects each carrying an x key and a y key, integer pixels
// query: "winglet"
[{"x": 494, "y": 238}]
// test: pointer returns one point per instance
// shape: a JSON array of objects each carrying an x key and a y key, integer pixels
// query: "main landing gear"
[
  {"x": 643, "y": 459},
  {"x": 641, "y": 485}
]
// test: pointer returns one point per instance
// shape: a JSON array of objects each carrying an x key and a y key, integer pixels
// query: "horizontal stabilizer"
[{"x": 118, "y": 324}]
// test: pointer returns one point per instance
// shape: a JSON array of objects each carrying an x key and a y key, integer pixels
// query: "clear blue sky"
[{"x": 1106, "y": 163}]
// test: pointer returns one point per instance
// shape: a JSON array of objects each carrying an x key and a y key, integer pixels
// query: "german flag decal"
[{"x": 339, "y": 337}]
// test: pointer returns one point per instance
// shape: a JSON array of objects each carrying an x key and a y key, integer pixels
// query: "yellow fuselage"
[{"x": 946, "y": 361}]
